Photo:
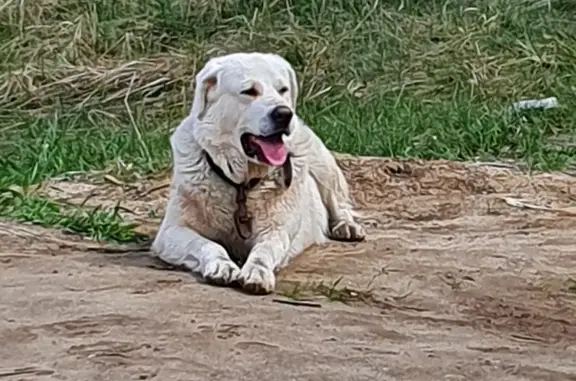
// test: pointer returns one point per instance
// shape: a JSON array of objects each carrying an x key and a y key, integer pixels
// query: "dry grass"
[{"x": 95, "y": 55}]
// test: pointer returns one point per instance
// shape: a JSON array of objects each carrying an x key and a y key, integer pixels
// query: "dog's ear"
[
  {"x": 206, "y": 80},
  {"x": 287, "y": 172},
  {"x": 293, "y": 84}
]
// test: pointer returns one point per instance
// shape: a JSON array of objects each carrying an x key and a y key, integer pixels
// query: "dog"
[{"x": 252, "y": 185}]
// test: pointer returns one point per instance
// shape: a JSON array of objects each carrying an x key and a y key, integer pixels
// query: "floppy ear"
[
  {"x": 293, "y": 85},
  {"x": 206, "y": 79}
]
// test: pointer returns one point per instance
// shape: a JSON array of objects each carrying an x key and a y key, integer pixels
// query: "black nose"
[{"x": 281, "y": 117}]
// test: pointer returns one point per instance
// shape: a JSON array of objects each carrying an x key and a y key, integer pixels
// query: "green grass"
[
  {"x": 100, "y": 225},
  {"x": 99, "y": 85}
]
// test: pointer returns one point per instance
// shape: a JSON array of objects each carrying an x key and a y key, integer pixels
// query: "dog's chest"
[{"x": 209, "y": 209}]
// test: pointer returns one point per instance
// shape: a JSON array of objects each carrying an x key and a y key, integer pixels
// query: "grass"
[
  {"x": 100, "y": 225},
  {"x": 311, "y": 291},
  {"x": 94, "y": 85}
]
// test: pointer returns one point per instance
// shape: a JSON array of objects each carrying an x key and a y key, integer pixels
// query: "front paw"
[
  {"x": 256, "y": 278},
  {"x": 347, "y": 231},
  {"x": 221, "y": 271}
]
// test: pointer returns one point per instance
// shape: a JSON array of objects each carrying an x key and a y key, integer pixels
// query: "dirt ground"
[{"x": 465, "y": 275}]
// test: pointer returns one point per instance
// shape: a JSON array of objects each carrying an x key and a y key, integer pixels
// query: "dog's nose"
[{"x": 281, "y": 117}]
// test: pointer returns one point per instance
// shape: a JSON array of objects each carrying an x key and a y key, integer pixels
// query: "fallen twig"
[
  {"x": 118, "y": 250},
  {"x": 298, "y": 303},
  {"x": 518, "y": 203},
  {"x": 154, "y": 189}
]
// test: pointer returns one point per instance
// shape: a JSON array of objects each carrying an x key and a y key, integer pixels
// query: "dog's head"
[{"x": 243, "y": 109}]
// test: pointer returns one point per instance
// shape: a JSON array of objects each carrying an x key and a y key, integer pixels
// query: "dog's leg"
[
  {"x": 332, "y": 186},
  {"x": 181, "y": 246},
  {"x": 270, "y": 253}
]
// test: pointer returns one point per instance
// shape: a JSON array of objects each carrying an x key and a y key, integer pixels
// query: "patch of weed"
[{"x": 97, "y": 224}]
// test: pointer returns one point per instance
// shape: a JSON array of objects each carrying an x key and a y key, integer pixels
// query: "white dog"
[{"x": 252, "y": 185}]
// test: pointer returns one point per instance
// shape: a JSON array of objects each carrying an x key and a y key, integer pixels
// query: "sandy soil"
[{"x": 456, "y": 281}]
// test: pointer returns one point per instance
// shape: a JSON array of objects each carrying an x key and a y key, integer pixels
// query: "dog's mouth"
[{"x": 269, "y": 149}]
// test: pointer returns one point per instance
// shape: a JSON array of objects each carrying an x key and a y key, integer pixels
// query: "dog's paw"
[
  {"x": 256, "y": 278},
  {"x": 221, "y": 271},
  {"x": 347, "y": 231}
]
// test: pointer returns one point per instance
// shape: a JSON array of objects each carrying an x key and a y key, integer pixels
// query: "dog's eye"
[
  {"x": 252, "y": 92},
  {"x": 283, "y": 90}
]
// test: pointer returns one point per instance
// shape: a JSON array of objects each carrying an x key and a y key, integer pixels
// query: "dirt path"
[{"x": 453, "y": 283}]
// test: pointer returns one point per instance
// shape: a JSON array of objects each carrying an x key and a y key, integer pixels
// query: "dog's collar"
[
  {"x": 249, "y": 185},
  {"x": 242, "y": 218}
]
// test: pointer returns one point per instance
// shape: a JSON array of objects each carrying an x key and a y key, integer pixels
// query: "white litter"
[{"x": 545, "y": 103}]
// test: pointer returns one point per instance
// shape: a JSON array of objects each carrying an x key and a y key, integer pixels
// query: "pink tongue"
[{"x": 275, "y": 152}]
